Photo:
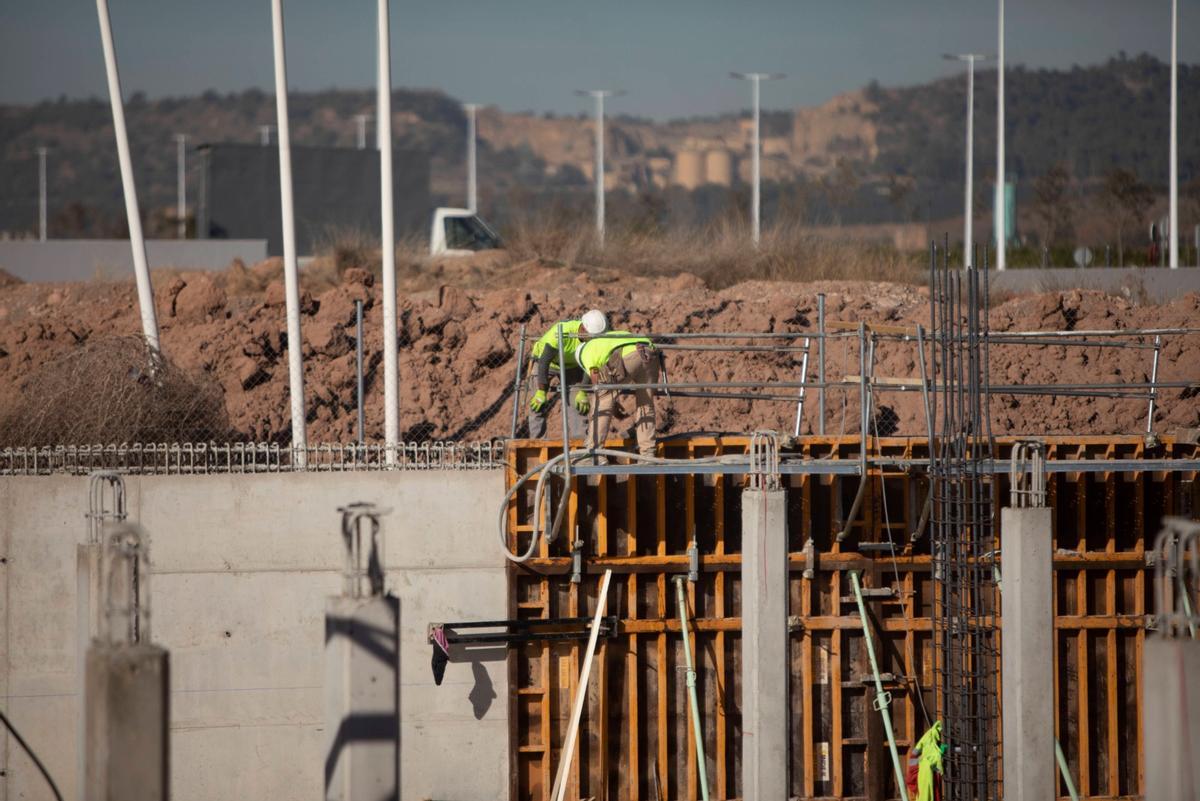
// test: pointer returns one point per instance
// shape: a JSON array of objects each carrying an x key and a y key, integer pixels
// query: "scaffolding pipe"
[
  {"x": 1153, "y": 389},
  {"x": 697, "y": 728},
  {"x": 387, "y": 239},
  {"x": 882, "y": 698},
  {"x": 137, "y": 242},
  {"x": 821, "y": 363},
  {"x": 803, "y": 378},
  {"x": 291, "y": 277},
  {"x": 517, "y": 383}
]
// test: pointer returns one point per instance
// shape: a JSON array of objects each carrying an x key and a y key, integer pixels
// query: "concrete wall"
[
  {"x": 242, "y": 566},
  {"x": 85, "y": 259},
  {"x": 1158, "y": 284}
]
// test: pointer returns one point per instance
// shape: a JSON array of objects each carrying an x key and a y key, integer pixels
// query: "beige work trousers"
[{"x": 629, "y": 369}]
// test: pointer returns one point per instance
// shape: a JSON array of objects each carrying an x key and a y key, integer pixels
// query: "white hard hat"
[{"x": 594, "y": 322}]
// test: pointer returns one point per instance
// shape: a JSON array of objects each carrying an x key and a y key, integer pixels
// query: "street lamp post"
[
  {"x": 181, "y": 185},
  {"x": 756, "y": 79},
  {"x": 1173, "y": 222},
  {"x": 41, "y": 152},
  {"x": 969, "y": 210},
  {"x": 1001, "y": 216},
  {"x": 472, "y": 196},
  {"x": 598, "y": 95}
]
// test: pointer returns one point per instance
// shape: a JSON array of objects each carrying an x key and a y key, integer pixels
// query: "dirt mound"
[{"x": 458, "y": 348}]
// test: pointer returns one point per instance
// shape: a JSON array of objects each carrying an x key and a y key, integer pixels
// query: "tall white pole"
[
  {"x": 756, "y": 79},
  {"x": 600, "y": 167},
  {"x": 136, "y": 242},
  {"x": 968, "y": 234},
  {"x": 1173, "y": 220},
  {"x": 181, "y": 184},
  {"x": 472, "y": 197},
  {"x": 387, "y": 240},
  {"x": 1001, "y": 217},
  {"x": 755, "y": 201},
  {"x": 291, "y": 278},
  {"x": 41, "y": 151}
]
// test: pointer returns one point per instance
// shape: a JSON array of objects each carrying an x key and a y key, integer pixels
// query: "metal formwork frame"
[{"x": 635, "y": 741}]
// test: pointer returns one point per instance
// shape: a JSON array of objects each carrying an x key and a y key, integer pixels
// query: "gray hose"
[{"x": 539, "y": 493}]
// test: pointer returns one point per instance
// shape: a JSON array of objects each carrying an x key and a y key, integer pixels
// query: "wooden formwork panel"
[{"x": 635, "y": 738}]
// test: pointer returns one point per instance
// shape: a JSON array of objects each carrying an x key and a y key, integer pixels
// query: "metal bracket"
[
  {"x": 519, "y": 631},
  {"x": 881, "y": 700},
  {"x": 693, "y": 555},
  {"x": 362, "y": 571},
  {"x": 764, "y": 460},
  {"x": 577, "y": 561},
  {"x": 810, "y": 559}
]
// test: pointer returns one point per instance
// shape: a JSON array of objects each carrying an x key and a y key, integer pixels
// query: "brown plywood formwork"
[{"x": 635, "y": 740}]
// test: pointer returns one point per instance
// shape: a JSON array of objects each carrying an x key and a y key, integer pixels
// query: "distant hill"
[{"x": 833, "y": 162}]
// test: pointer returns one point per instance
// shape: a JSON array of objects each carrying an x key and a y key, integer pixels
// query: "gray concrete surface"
[
  {"x": 1156, "y": 284},
  {"x": 126, "y": 729},
  {"x": 242, "y": 566},
  {"x": 1027, "y": 657},
  {"x": 765, "y": 666},
  {"x": 362, "y": 636},
  {"x": 1171, "y": 718},
  {"x": 112, "y": 259}
]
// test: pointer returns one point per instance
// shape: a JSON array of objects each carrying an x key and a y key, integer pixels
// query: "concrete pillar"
[
  {"x": 126, "y": 723},
  {"x": 1171, "y": 728},
  {"x": 764, "y": 645},
  {"x": 362, "y": 720},
  {"x": 87, "y": 628},
  {"x": 1027, "y": 654}
]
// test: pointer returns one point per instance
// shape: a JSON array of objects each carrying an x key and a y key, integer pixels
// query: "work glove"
[
  {"x": 538, "y": 400},
  {"x": 582, "y": 403}
]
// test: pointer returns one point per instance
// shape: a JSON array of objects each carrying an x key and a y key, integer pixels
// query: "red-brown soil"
[{"x": 458, "y": 348}]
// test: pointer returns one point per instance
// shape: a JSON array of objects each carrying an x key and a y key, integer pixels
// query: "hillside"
[{"x": 840, "y": 162}]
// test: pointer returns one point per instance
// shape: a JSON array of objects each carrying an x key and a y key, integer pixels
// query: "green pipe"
[
  {"x": 1065, "y": 770},
  {"x": 697, "y": 732},
  {"x": 882, "y": 699}
]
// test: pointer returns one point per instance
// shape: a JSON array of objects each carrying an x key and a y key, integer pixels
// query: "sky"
[{"x": 672, "y": 57}]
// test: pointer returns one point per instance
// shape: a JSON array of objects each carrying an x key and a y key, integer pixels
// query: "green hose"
[{"x": 697, "y": 731}]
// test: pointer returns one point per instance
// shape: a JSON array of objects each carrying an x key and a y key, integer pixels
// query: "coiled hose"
[{"x": 545, "y": 468}]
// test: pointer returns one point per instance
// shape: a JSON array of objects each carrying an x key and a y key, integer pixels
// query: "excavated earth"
[{"x": 458, "y": 349}]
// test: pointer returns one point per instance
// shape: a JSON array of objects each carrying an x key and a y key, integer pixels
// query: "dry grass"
[
  {"x": 721, "y": 255},
  {"x": 111, "y": 390}
]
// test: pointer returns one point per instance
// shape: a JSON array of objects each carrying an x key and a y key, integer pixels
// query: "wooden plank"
[
  {"x": 835, "y": 686},
  {"x": 663, "y": 723},
  {"x": 721, "y": 784},
  {"x": 689, "y": 513},
  {"x": 632, "y": 668},
  {"x": 1111, "y": 684}
]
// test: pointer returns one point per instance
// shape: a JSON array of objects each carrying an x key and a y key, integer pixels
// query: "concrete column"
[
  {"x": 362, "y": 720},
  {"x": 87, "y": 627},
  {"x": 1027, "y": 654},
  {"x": 764, "y": 645},
  {"x": 1171, "y": 728},
  {"x": 126, "y": 723}
]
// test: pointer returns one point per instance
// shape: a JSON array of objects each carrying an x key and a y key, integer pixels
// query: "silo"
[
  {"x": 689, "y": 168},
  {"x": 718, "y": 167}
]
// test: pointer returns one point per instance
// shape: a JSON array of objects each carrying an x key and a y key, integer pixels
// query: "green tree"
[
  {"x": 1052, "y": 205},
  {"x": 1126, "y": 199}
]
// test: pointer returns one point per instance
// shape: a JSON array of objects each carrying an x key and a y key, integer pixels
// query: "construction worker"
[
  {"x": 619, "y": 358},
  {"x": 545, "y": 361}
]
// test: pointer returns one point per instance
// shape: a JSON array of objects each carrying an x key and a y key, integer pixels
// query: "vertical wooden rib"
[
  {"x": 602, "y": 655},
  {"x": 806, "y": 677},
  {"x": 547, "y": 686},
  {"x": 722, "y": 780},
  {"x": 1139, "y": 606},
  {"x": 835, "y": 685},
  {"x": 632, "y": 666},
  {"x": 576, "y": 607},
  {"x": 1111, "y": 686},
  {"x": 1081, "y": 643},
  {"x": 690, "y": 528},
  {"x": 664, "y": 728}
]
